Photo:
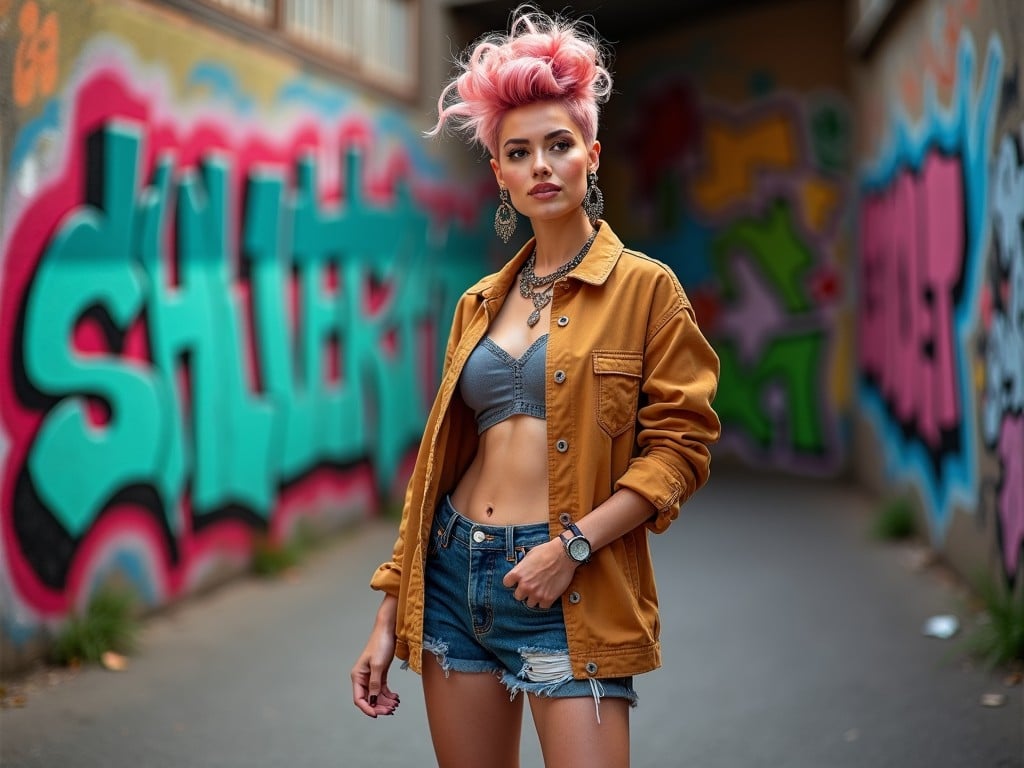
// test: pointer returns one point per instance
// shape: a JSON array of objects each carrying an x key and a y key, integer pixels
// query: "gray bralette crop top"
[{"x": 496, "y": 385}]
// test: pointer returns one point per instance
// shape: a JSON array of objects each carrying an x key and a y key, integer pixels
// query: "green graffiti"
[
  {"x": 319, "y": 361},
  {"x": 775, "y": 246},
  {"x": 792, "y": 365},
  {"x": 831, "y": 135}
]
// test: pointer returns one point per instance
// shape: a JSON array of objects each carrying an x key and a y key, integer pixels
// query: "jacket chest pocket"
[{"x": 618, "y": 376}]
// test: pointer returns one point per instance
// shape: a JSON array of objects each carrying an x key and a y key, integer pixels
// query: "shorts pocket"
[{"x": 618, "y": 387}]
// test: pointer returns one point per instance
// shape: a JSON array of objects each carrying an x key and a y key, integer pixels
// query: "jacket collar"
[{"x": 594, "y": 269}]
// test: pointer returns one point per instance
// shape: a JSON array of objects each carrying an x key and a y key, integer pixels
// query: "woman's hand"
[
  {"x": 542, "y": 576},
  {"x": 370, "y": 692}
]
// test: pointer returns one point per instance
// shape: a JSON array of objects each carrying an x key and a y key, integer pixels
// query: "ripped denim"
[{"x": 473, "y": 623}]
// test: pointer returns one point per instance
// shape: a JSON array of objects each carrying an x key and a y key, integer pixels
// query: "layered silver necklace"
[{"x": 529, "y": 281}]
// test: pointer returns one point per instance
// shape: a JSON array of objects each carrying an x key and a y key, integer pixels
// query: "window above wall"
[{"x": 375, "y": 41}]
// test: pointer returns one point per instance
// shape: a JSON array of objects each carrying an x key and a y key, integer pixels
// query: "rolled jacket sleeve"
[
  {"x": 388, "y": 576},
  {"x": 676, "y": 420}
]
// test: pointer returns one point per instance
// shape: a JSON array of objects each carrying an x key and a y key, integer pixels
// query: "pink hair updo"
[{"x": 541, "y": 59}]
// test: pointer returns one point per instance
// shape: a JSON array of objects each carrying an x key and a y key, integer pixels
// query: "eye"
[
  {"x": 561, "y": 145},
  {"x": 516, "y": 154}
]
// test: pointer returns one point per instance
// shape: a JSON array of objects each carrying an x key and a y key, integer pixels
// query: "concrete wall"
[
  {"x": 224, "y": 283},
  {"x": 940, "y": 363},
  {"x": 727, "y": 154}
]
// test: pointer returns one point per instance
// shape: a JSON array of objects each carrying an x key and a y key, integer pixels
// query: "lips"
[{"x": 544, "y": 189}]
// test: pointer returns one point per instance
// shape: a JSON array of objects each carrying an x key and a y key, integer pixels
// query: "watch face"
[{"x": 579, "y": 549}]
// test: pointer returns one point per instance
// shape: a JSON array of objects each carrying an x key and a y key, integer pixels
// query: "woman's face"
[{"x": 543, "y": 160}]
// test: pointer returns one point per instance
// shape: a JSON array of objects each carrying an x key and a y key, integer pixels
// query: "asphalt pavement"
[{"x": 790, "y": 640}]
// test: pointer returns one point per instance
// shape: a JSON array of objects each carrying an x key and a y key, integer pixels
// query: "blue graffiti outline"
[
  {"x": 49, "y": 119},
  {"x": 327, "y": 102},
  {"x": 330, "y": 102},
  {"x": 949, "y": 130},
  {"x": 223, "y": 85}
]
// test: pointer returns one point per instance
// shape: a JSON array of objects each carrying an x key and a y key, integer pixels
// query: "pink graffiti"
[
  {"x": 1011, "y": 490},
  {"x": 913, "y": 251}
]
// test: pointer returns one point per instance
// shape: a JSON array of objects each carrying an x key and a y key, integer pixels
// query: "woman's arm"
[{"x": 370, "y": 692}]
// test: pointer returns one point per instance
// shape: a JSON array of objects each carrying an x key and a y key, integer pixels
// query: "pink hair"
[{"x": 541, "y": 59}]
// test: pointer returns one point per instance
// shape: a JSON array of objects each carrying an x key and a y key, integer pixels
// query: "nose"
[{"x": 540, "y": 165}]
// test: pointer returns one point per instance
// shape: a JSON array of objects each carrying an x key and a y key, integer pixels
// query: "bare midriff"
[{"x": 507, "y": 483}]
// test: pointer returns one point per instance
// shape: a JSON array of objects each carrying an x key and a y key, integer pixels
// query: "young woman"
[{"x": 573, "y": 417}]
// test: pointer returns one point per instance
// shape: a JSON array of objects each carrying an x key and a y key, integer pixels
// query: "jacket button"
[
  {"x": 563, "y": 321},
  {"x": 565, "y": 518},
  {"x": 559, "y": 377},
  {"x": 562, "y": 446},
  {"x": 574, "y": 597},
  {"x": 591, "y": 668}
]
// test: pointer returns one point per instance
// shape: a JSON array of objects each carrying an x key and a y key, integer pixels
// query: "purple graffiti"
[{"x": 1011, "y": 491}]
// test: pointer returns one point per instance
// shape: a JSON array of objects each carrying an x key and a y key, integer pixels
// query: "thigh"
[
  {"x": 571, "y": 737},
  {"x": 472, "y": 720}
]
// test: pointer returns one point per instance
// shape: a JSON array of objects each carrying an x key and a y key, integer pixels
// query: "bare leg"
[
  {"x": 472, "y": 720},
  {"x": 571, "y": 737}
]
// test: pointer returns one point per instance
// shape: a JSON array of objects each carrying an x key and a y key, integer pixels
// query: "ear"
[
  {"x": 594, "y": 155},
  {"x": 496, "y": 167}
]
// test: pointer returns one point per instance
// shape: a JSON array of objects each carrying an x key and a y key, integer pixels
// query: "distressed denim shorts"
[{"x": 473, "y": 623}]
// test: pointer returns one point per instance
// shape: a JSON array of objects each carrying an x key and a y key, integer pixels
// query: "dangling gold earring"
[
  {"x": 593, "y": 201},
  {"x": 505, "y": 217}
]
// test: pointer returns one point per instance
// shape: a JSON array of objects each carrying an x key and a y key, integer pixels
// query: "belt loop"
[
  {"x": 453, "y": 518},
  {"x": 510, "y": 543}
]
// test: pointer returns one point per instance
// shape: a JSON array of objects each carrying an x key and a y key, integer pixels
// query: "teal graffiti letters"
[
  {"x": 75, "y": 465},
  {"x": 306, "y": 342}
]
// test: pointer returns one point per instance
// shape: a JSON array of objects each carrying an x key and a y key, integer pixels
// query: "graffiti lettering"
[
  {"x": 764, "y": 263},
  {"x": 37, "y": 55},
  {"x": 912, "y": 260},
  {"x": 1002, "y": 418},
  {"x": 754, "y": 248},
  {"x": 736, "y": 155},
  {"x": 236, "y": 458},
  {"x": 68, "y": 283},
  {"x": 773, "y": 402},
  {"x": 245, "y": 374},
  {"x": 935, "y": 53},
  {"x": 922, "y": 222}
]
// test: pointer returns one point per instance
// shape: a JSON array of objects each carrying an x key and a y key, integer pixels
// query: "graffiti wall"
[
  {"x": 941, "y": 328},
  {"x": 731, "y": 152},
  {"x": 223, "y": 283}
]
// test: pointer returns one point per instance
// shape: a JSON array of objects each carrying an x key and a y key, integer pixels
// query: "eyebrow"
[{"x": 547, "y": 137}]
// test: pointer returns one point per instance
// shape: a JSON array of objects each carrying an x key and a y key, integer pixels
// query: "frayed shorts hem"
[{"x": 564, "y": 687}]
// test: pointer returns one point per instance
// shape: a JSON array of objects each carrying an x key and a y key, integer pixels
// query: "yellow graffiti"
[
  {"x": 35, "y": 61},
  {"x": 820, "y": 201},
  {"x": 736, "y": 155},
  {"x": 842, "y": 375}
]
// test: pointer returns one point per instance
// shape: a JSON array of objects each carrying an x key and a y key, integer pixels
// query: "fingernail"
[{"x": 373, "y": 700}]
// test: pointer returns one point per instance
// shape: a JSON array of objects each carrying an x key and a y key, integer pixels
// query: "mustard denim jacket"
[{"x": 629, "y": 385}]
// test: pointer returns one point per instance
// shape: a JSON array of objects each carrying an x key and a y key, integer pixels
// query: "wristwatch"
[{"x": 577, "y": 546}]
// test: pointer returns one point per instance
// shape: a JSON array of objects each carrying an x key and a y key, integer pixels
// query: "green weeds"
[
  {"x": 108, "y": 624},
  {"x": 997, "y": 637},
  {"x": 895, "y": 521},
  {"x": 274, "y": 558}
]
